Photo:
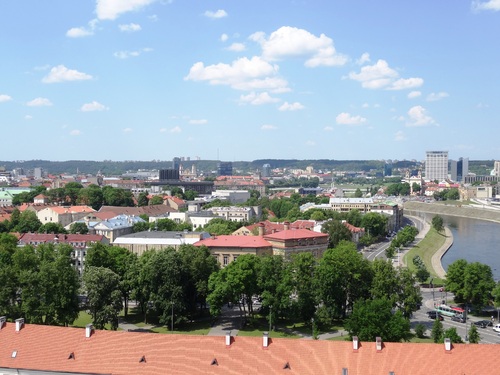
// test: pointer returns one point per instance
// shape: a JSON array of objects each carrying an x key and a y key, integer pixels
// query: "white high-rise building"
[{"x": 436, "y": 165}]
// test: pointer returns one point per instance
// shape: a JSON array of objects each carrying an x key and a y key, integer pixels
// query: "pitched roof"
[
  {"x": 154, "y": 210},
  {"x": 64, "y": 349},
  {"x": 234, "y": 241},
  {"x": 295, "y": 234},
  {"x": 71, "y": 209}
]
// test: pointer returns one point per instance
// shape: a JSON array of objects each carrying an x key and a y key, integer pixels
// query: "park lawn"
[
  {"x": 425, "y": 249},
  {"x": 85, "y": 318}
]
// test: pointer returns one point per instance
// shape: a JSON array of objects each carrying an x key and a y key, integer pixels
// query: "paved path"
[{"x": 229, "y": 320}]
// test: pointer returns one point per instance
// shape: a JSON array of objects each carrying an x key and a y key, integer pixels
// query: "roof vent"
[
  {"x": 3, "y": 320},
  {"x": 19, "y": 324},
  {"x": 214, "y": 362},
  {"x": 89, "y": 328},
  {"x": 355, "y": 343},
  {"x": 378, "y": 342},
  {"x": 265, "y": 340},
  {"x": 287, "y": 366},
  {"x": 345, "y": 371},
  {"x": 143, "y": 359},
  {"x": 447, "y": 344},
  {"x": 71, "y": 355},
  {"x": 228, "y": 339}
]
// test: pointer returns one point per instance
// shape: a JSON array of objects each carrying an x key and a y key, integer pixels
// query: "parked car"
[
  {"x": 458, "y": 318},
  {"x": 496, "y": 328},
  {"x": 483, "y": 323},
  {"x": 434, "y": 315}
]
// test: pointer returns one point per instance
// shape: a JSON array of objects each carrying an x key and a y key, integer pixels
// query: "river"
[{"x": 475, "y": 241}]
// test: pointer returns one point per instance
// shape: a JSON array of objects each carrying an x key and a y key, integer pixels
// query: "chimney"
[
  {"x": 3, "y": 320},
  {"x": 265, "y": 340},
  {"x": 89, "y": 328},
  {"x": 355, "y": 343},
  {"x": 378, "y": 341},
  {"x": 447, "y": 344},
  {"x": 228, "y": 339},
  {"x": 19, "y": 324},
  {"x": 286, "y": 224},
  {"x": 261, "y": 229}
]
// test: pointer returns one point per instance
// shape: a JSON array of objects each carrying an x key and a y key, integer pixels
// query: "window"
[
  {"x": 235, "y": 257},
  {"x": 225, "y": 260}
]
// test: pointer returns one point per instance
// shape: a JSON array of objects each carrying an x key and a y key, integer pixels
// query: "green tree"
[
  {"x": 142, "y": 199},
  {"x": 374, "y": 223},
  {"x": 140, "y": 226},
  {"x": 437, "y": 331},
  {"x": 372, "y": 318},
  {"x": 78, "y": 228},
  {"x": 103, "y": 296},
  {"x": 437, "y": 223},
  {"x": 71, "y": 190},
  {"x": 474, "y": 336},
  {"x": 302, "y": 270},
  {"x": 28, "y": 222},
  {"x": 91, "y": 196},
  {"x": 420, "y": 330},
  {"x": 358, "y": 193},
  {"x": 342, "y": 277},
  {"x": 354, "y": 217},
  {"x": 156, "y": 200},
  {"x": 337, "y": 232},
  {"x": 117, "y": 197},
  {"x": 451, "y": 333},
  {"x": 52, "y": 228},
  {"x": 190, "y": 195},
  {"x": 455, "y": 279}
]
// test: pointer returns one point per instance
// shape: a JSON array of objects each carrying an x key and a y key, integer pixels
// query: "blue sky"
[{"x": 245, "y": 80}]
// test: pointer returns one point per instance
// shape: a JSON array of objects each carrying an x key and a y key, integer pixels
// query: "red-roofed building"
[
  {"x": 63, "y": 215},
  {"x": 228, "y": 248},
  {"x": 40, "y": 349},
  {"x": 293, "y": 241}
]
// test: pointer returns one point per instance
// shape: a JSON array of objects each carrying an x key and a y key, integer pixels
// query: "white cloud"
[
  {"x": 236, "y": 47},
  {"x": 28, "y": 117},
  {"x": 93, "y": 106},
  {"x": 365, "y": 57},
  {"x": 111, "y": 9},
  {"x": 433, "y": 97},
  {"x": 418, "y": 117},
  {"x": 414, "y": 94},
  {"x": 482, "y": 105},
  {"x": 4, "y": 98},
  {"x": 128, "y": 130},
  {"x": 176, "y": 129},
  {"x": 224, "y": 37},
  {"x": 347, "y": 119},
  {"x": 39, "y": 102},
  {"x": 258, "y": 98},
  {"x": 62, "y": 74},
  {"x": 128, "y": 54},
  {"x": 268, "y": 127},
  {"x": 242, "y": 74},
  {"x": 217, "y": 14},
  {"x": 163, "y": 130},
  {"x": 400, "y": 136},
  {"x": 310, "y": 143},
  {"x": 75, "y": 132},
  {"x": 131, "y": 27},
  {"x": 80, "y": 32},
  {"x": 198, "y": 122},
  {"x": 381, "y": 76},
  {"x": 293, "y": 42},
  {"x": 493, "y": 5},
  {"x": 291, "y": 106},
  {"x": 328, "y": 128}
]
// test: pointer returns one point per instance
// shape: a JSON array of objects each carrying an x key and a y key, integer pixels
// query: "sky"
[{"x": 244, "y": 80}]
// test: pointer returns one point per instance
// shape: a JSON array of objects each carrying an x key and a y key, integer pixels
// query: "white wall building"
[{"x": 436, "y": 165}]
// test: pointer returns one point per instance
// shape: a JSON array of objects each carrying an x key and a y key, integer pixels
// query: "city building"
[
  {"x": 459, "y": 169},
  {"x": 140, "y": 242},
  {"x": 225, "y": 168},
  {"x": 436, "y": 165},
  {"x": 63, "y": 215},
  {"x": 117, "y": 226}
]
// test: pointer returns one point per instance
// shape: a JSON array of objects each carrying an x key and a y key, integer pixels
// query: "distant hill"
[{"x": 113, "y": 168}]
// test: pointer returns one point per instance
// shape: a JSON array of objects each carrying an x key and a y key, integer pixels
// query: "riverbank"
[{"x": 468, "y": 211}]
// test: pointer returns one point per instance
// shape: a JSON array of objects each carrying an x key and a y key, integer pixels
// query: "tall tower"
[{"x": 436, "y": 165}]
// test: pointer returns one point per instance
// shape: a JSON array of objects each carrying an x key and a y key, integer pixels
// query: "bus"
[{"x": 449, "y": 310}]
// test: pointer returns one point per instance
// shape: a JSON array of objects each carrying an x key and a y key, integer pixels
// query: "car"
[
  {"x": 496, "y": 328},
  {"x": 458, "y": 318},
  {"x": 483, "y": 323},
  {"x": 434, "y": 315}
]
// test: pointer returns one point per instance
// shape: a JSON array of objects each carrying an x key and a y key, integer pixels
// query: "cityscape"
[{"x": 257, "y": 187}]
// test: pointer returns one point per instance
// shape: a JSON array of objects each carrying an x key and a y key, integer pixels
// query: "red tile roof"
[
  {"x": 62, "y": 349},
  {"x": 234, "y": 241},
  {"x": 294, "y": 234}
]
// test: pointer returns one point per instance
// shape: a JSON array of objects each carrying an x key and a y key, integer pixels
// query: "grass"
[{"x": 425, "y": 249}]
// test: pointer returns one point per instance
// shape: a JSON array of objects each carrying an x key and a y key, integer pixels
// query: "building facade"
[{"x": 436, "y": 165}]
